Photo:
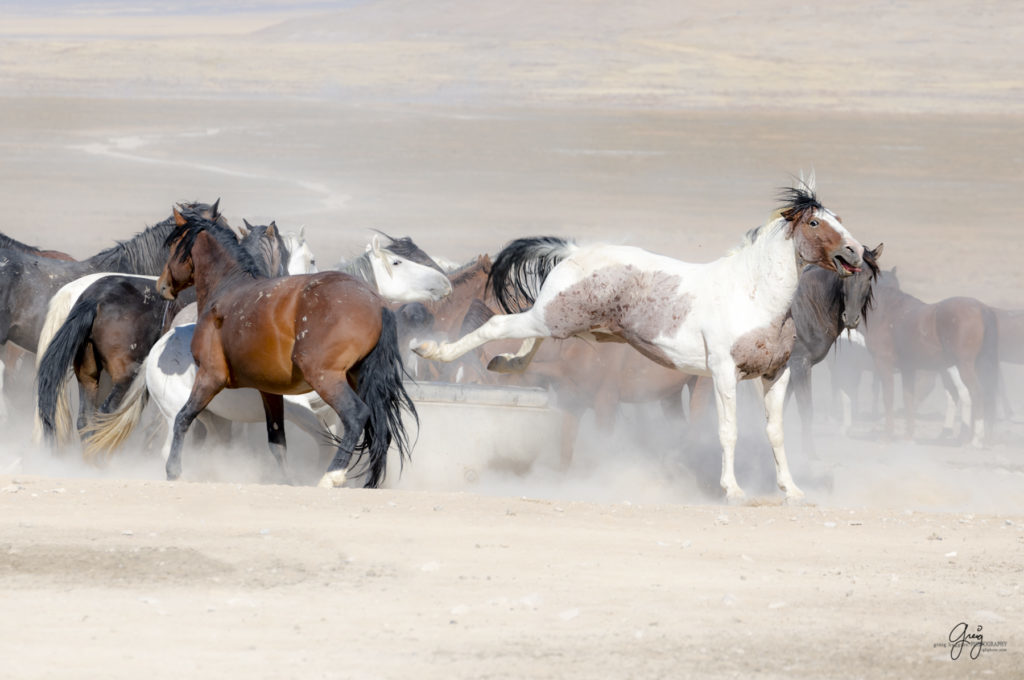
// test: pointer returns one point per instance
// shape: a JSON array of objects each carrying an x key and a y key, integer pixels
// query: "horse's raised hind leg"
[
  {"x": 273, "y": 408},
  {"x": 520, "y": 326},
  {"x": 204, "y": 389},
  {"x": 725, "y": 399},
  {"x": 774, "y": 405},
  {"x": 516, "y": 363}
]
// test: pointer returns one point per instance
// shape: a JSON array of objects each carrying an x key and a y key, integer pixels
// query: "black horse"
[
  {"x": 112, "y": 327},
  {"x": 28, "y": 281},
  {"x": 824, "y": 306}
]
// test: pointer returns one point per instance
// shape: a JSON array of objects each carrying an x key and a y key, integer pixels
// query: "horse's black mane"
[
  {"x": 405, "y": 247},
  {"x": 146, "y": 252},
  {"x": 195, "y": 224},
  {"x": 14, "y": 244},
  {"x": 796, "y": 201},
  {"x": 464, "y": 272}
]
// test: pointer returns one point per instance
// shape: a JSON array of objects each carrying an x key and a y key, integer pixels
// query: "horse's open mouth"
[{"x": 843, "y": 267}]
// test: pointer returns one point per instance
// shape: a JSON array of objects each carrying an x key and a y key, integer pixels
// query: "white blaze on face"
[{"x": 830, "y": 218}]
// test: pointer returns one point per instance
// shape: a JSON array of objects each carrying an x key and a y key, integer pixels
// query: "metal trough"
[{"x": 470, "y": 431}]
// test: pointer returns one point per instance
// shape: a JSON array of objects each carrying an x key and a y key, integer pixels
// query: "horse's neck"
[
  {"x": 145, "y": 253},
  {"x": 362, "y": 268},
  {"x": 212, "y": 266},
  {"x": 817, "y": 305},
  {"x": 770, "y": 268}
]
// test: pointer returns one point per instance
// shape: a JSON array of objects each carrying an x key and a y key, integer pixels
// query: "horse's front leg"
[
  {"x": 520, "y": 326},
  {"x": 204, "y": 389},
  {"x": 725, "y": 399},
  {"x": 273, "y": 408},
  {"x": 774, "y": 405},
  {"x": 886, "y": 378},
  {"x": 909, "y": 399},
  {"x": 800, "y": 381}
]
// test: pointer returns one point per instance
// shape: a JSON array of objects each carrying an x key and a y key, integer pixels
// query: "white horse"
[
  {"x": 728, "y": 318},
  {"x": 397, "y": 273}
]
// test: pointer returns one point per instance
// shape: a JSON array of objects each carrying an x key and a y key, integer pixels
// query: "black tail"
[
  {"x": 57, "y": 361},
  {"x": 987, "y": 365},
  {"x": 520, "y": 268},
  {"x": 381, "y": 389}
]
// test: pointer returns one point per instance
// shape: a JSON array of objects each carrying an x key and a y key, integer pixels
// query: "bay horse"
[
  {"x": 326, "y": 332},
  {"x": 110, "y": 328},
  {"x": 824, "y": 306},
  {"x": 728, "y": 318},
  {"x": 168, "y": 373},
  {"x": 910, "y": 335}
]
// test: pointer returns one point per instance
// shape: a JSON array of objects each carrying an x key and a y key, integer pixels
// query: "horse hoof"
[
  {"x": 735, "y": 496},
  {"x": 504, "y": 363},
  {"x": 795, "y": 498},
  {"x": 427, "y": 349},
  {"x": 332, "y": 480}
]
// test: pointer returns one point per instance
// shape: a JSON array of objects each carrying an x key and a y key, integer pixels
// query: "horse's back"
[{"x": 266, "y": 330}]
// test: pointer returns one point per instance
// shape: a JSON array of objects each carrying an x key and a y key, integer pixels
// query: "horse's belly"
[{"x": 241, "y": 405}]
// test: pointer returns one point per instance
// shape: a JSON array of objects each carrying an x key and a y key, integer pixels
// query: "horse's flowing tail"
[
  {"x": 108, "y": 431},
  {"x": 521, "y": 267},
  {"x": 54, "y": 369},
  {"x": 380, "y": 387}
]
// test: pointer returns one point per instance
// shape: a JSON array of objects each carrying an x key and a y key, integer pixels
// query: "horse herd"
[{"x": 224, "y": 327}]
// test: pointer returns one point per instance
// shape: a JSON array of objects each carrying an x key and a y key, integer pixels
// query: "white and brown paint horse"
[{"x": 728, "y": 318}]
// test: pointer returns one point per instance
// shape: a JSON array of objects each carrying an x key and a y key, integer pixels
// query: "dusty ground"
[{"x": 664, "y": 127}]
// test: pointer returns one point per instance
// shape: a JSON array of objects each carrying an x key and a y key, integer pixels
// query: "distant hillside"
[{"x": 942, "y": 56}]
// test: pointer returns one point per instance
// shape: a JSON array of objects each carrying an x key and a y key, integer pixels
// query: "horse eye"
[
  {"x": 396, "y": 263},
  {"x": 813, "y": 223}
]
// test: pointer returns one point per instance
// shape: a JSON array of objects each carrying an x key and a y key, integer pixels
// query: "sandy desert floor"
[{"x": 666, "y": 130}]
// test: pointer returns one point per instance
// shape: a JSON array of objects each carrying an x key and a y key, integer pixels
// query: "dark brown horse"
[
  {"x": 909, "y": 335},
  {"x": 110, "y": 329},
  {"x": 326, "y": 332}
]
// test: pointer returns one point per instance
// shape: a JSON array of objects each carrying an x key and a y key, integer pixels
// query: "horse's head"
[
  {"x": 857, "y": 289},
  {"x": 818, "y": 233},
  {"x": 267, "y": 246},
  {"x": 179, "y": 272},
  {"x": 402, "y": 277},
  {"x": 302, "y": 260}
]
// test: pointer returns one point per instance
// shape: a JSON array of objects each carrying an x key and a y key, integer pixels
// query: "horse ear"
[
  {"x": 877, "y": 252},
  {"x": 272, "y": 229},
  {"x": 375, "y": 245},
  {"x": 179, "y": 220},
  {"x": 216, "y": 209},
  {"x": 245, "y": 229},
  {"x": 809, "y": 182},
  {"x": 302, "y": 232}
]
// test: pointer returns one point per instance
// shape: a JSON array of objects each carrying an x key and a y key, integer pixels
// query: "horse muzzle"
[
  {"x": 847, "y": 260},
  {"x": 165, "y": 290}
]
